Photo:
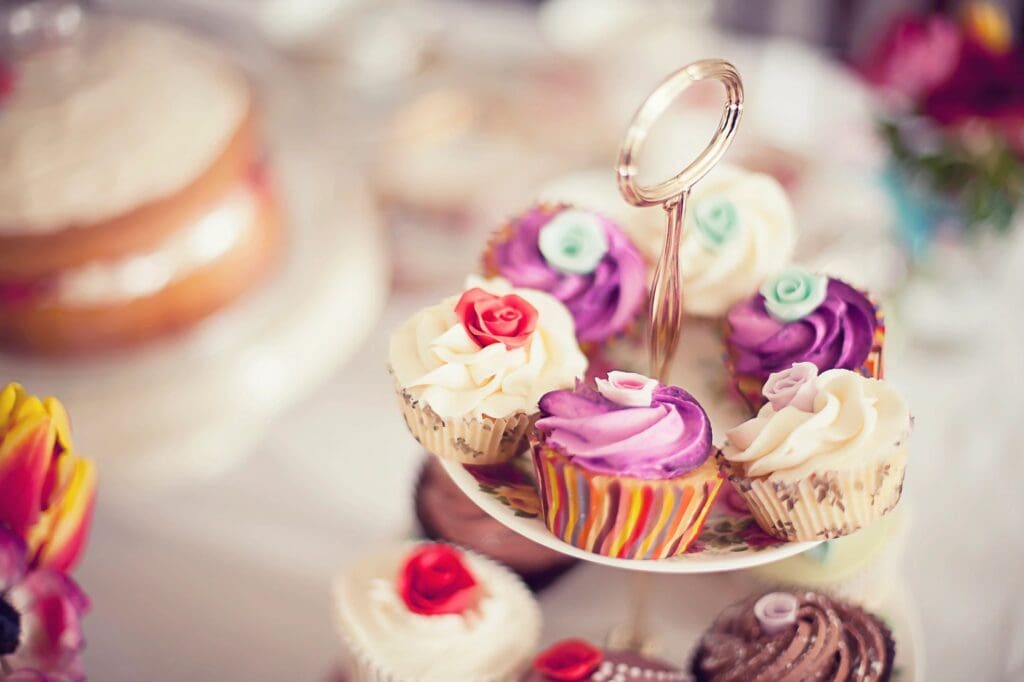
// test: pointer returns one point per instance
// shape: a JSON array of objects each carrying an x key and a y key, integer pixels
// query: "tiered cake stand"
[{"x": 731, "y": 539}]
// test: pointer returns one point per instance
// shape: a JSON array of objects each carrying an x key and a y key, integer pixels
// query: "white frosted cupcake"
[
  {"x": 825, "y": 457},
  {"x": 434, "y": 613},
  {"x": 470, "y": 370},
  {"x": 739, "y": 231}
]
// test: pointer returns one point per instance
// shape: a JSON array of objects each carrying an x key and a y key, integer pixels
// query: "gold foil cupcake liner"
[
  {"x": 620, "y": 516},
  {"x": 469, "y": 440},
  {"x": 823, "y": 505}
]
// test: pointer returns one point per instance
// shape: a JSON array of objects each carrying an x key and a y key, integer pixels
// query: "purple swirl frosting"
[
  {"x": 666, "y": 436},
  {"x": 837, "y": 334},
  {"x": 581, "y": 258}
]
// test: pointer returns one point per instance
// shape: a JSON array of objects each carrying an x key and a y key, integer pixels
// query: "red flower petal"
[
  {"x": 488, "y": 319},
  {"x": 435, "y": 581},
  {"x": 568, "y": 661}
]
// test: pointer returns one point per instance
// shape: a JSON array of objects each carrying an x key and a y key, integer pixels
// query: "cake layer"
[
  {"x": 53, "y": 328},
  {"x": 28, "y": 260}
]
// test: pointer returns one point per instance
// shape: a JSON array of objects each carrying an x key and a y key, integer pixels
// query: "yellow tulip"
[{"x": 46, "y": 490}]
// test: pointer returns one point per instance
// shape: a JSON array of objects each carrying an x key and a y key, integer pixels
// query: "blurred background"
[{"x": 249, "y": 447}]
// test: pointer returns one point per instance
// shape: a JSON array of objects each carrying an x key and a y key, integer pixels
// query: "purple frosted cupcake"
[
  {"x": 625, "y": 470},
  {"x": 802, "y": 317},
  {"x": 581, "y": 258}
]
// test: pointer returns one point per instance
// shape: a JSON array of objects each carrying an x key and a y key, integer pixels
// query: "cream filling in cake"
[{"x": 200, "y": 244}]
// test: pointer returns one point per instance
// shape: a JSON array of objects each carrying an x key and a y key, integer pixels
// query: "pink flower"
[
  {"x": 792, "y": 387},
  {"x": 40, "y": 618},
  {"x": 984, "y": 84},
  {"x": 916, "y": 55},
  {"x": 627, "y": 389}
]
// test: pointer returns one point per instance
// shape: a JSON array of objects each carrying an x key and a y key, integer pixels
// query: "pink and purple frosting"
[
  {"x": 581, "y": 258},
  {"x": 630, "y": 426},
  {"x": 800, "y": 317}
]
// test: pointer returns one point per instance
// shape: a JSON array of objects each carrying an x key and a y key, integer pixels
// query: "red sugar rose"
[
  {"x": 496, "y": 319},
  {"x": 435, "y": 581},
  {"x": 569, "y": 660}
]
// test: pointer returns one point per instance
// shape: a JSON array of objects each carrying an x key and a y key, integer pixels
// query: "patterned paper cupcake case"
[
  {"x": 747, "y": 387},
  {"x": 828, "y": 504},
  {"x": 469, "y": 440},
  {"x": 622, "y": 517},
  {"x": 362, "y": 668}
]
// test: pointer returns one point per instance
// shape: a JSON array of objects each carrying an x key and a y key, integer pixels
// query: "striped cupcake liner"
[
  {"x": 619, "y": 516},
  {"x": 469, "y": 440},
  {"x": 747, "y": 387},
  {"x": 828, "y": 504}
]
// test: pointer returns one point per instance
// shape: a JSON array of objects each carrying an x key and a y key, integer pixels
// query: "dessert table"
[{"x": 231, "y": 580}]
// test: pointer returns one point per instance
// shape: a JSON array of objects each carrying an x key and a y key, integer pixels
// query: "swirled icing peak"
[
  {"x": 826, "y": 640},
  {"x": 853, "y": 420},
  {"x": 739, "y": 230},
  {"x": 581, "y": 258},
  {"x": 435, "y": 359},
  {"x": 768, "y": 334},
  {"x": 667, "y": 437}
]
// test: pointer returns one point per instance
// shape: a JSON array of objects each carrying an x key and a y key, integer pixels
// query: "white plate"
[{"x": 730, "y": 539}]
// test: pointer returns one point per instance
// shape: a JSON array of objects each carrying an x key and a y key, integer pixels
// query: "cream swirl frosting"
[
  {"x": 739, "y": 230},
  {"x": 855, "y": 420},
  {"x": 434, "y": 358},
  {"x": 475, "y": 645}
]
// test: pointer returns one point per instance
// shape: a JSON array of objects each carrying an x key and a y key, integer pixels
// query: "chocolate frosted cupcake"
[
  {"x": 802, "y": 317},
  {"x": 625, "y": 470},
  {"x": 445, "y": 513},
  {"x": 581, "y": 258},
  {"x": 792, "y": 637},
  {"x": 575, "y": 659}
]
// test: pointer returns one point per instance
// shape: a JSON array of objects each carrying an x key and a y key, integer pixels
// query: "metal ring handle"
[{"x": 654, "y": 106}]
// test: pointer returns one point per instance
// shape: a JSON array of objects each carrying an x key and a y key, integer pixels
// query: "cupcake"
[
  {"x": 860, "y": 568},
  {"x": 739, "y": 230},
  {"x": 470, "y": 370},
  {"x": 581, "y": 258},
  {"x": 122, "y": 217},
  {"x": 624, "y": 470},
  {"x": 574, "y": 659},
  {"x": 824, "y": 457},
  {"x": 792, "y": 637},
  {"x": 445, "y": 513},
  {"x": 801, "y": 317},
  {"x": 433, "y": 613}
]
